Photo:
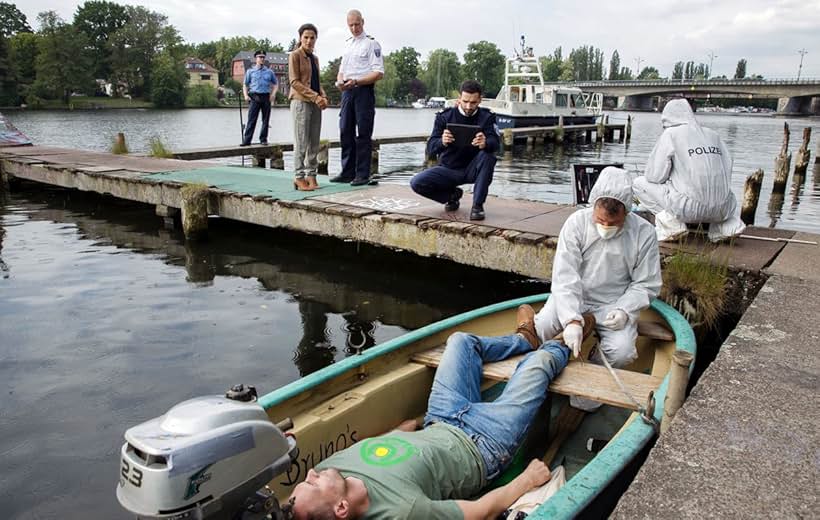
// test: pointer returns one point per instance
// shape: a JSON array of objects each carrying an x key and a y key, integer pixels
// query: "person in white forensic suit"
[
  {"x": 607, "y": 263},
  {"x": 688, "y": 179}
]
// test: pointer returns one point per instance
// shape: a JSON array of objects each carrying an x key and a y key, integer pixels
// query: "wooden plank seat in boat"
[{"x": 579, "y": 379}]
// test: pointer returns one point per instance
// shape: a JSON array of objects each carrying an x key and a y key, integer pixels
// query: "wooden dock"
[
  {"x": 518, "y": 236},
  {"x": 261, "y": 153}
]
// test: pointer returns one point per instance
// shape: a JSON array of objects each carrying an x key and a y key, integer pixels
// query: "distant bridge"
[{"x": 795, "y": 96}]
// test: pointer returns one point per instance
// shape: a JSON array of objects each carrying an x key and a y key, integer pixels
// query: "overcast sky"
[{"x": 768, "y": 34}]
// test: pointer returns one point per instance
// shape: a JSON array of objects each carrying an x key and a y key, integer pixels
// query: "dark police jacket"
[{"x": 459, "y": 157}]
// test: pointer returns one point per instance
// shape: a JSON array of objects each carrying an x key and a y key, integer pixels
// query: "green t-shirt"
[{"x": 414, "y": 475}]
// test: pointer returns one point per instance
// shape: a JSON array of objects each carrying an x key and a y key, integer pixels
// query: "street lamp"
[
  {"x": 712, "y": 57},
  {"x": 802, "y": 53},
  {"x": 638, "y": 61}
]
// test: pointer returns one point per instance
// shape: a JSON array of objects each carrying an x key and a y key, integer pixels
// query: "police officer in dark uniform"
[
  {"x": 259, "y": 89},
  {"x": 362, "y": 66},
  {"x": 471, "y": 163}
]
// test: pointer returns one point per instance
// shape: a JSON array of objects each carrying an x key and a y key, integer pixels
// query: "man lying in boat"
[{"x": 465, "y": 443}]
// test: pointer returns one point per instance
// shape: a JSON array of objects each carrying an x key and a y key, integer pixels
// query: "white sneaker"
[
  {"x": 729, "y": 228},
  {"x": 668, "y": 227}
]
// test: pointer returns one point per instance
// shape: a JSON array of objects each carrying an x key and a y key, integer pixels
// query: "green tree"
[
  {"x": 227, "y": 48},
  {"x": 740, "y": 71},
  {"x": 484, "y": 63},
  {"x": 328, "y": 81},
  {"x": 614, "y": 65},
  {"x": 169, "y": 81},
  {"x": 625, "y": 73},
  {"x": 99, "y": 20},
  {"x": 551, "y": 65},
  {"x": 8, "y": 80},
  {"x": 406, "y": 61},
  {"x": 677, "y": 71},
  {"x": 200, "y": 96},
  {"x": 442, "y": 73},
  {"x": 386, "y": 88},
  {"x": 62, "y": 64},
  {"x": 12, "y": 21},
  {"x": 293, "y": 45},
  {"x": 134, "y": 47},
  {"x": 649, "y": 73},
  {"x": 22, "y": 59}
]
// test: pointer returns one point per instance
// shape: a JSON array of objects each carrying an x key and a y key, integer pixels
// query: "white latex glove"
[
  {"x": 615, "y": 320},
  {"x": 573, "y": 337}
]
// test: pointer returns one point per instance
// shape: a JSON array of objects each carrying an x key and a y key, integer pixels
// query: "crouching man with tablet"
[{"x": 465, "y": 138}]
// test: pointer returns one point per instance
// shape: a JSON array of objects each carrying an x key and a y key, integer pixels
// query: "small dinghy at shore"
[
  {"x": 211, "y": 457},
  {"x": 371, "y": 393}
]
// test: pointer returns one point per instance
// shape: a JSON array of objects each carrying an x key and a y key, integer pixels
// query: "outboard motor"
[{"x": 207, "y": 458}]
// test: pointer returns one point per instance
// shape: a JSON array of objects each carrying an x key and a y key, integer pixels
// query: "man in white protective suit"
[
  {"x": 607, "y": 263},
  {"x": 688, "y": 179}
]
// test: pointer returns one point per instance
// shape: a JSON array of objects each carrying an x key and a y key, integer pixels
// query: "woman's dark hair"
[{"x": 308, "y": 27}]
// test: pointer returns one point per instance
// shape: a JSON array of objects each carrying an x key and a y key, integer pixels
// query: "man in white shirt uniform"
[{"x": 362, "y": 66}]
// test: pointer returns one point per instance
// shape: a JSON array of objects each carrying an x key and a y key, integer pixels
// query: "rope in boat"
[{"x": 647, "y": 412}]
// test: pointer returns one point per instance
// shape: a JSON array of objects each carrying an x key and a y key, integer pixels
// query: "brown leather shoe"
[
  {"x": 299, "y": 183},
  {"x": 589, "y": 328},
  {"x": 311, "y": 180},
  {"x": 525, "y": 318}
]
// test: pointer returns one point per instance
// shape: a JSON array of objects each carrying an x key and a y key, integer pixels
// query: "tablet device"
[{"x": 464, "y": 134}]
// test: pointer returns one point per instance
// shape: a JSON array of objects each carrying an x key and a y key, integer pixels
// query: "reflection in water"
[
  {"x": 108, "y": 320},
  {"x": 776, "y": 201},
  {"x": 360, "y": 334},
  {"x": 314, "y": 350},
  {"x": 199, "y": 264}
]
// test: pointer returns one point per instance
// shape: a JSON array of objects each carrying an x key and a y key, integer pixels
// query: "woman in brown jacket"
[{"x": 307, "y": 100}]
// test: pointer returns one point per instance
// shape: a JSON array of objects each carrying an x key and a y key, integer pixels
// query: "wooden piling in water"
[
  {"x": 277, "y": 158},
  {"x": 628, "y": 129},
  {"x": 751, "y": 196},
  {"x": 258, "y": 160},
  {"x": 119, "y": 147},
  {"x": 194, "y": 211},
  {"x": 323, "y": 157},
  {"x": 507, "y": 138},
  {"x": 559, "y": 132},
  {"x": 801, "y": 161},
  {"x": 600, "y": 130},
  {"x": 168, "y": 215},
  {"x": 374, "y": 159},
  {"x": 678, "y": 380},
  {"x": 782, "y": 163},
  {"x": 817, "y": 153}
]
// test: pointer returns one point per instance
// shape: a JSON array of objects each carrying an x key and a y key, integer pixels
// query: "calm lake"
[{"x": 109, "y": 320}]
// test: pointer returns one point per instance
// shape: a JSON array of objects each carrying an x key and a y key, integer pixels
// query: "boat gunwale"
[{"x": 579, "y": 491}]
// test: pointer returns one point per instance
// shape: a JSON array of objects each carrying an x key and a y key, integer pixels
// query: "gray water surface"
[
  {"x": 107, "y": 319},
  {"x": 540, "y": 174}
]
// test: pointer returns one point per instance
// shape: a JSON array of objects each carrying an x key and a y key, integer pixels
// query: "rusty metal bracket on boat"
[{"x": 648, "y": 413}]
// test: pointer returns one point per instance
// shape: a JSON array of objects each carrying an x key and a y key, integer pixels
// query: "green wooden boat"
[{"x": 373, "y": 392}]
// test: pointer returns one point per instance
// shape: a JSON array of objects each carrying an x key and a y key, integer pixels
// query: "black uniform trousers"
[{"x": 356, "y": 117}]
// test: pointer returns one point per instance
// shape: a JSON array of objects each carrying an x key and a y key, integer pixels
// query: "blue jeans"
[{"x": 497, "y": 427}]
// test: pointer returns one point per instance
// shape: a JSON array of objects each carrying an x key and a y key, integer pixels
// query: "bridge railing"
[{"x": 712, "y": 82}]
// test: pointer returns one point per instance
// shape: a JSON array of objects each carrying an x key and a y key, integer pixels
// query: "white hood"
[
  {"x": 613, "y": 183},
  {"x": 678, "y": 112}
]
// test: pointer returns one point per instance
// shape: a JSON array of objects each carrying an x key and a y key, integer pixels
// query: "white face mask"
[{"x": 606, "y": 232}]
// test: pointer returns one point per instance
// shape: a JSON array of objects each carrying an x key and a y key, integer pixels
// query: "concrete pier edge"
[{"x": 745, "y": 444}]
